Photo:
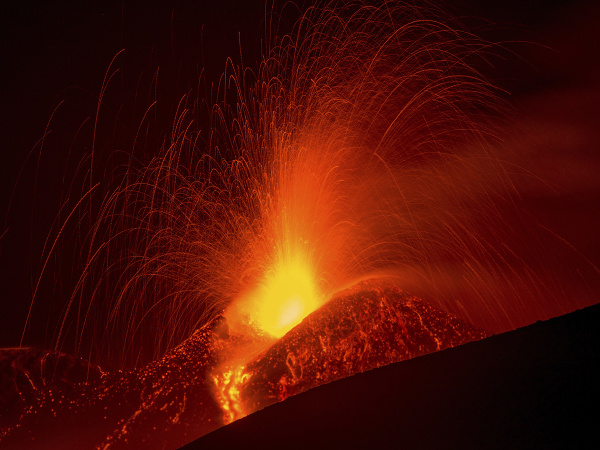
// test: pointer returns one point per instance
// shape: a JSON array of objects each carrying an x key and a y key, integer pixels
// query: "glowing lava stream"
[
  {"x": 227, "y": 392},
  {"x": 286, "y": 296}
]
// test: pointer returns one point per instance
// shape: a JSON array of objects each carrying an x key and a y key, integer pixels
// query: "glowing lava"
[
  {"x": 227, "y": 393},
  {"x": 288, "y": 294},
  {"x": 370, "y": 325}
]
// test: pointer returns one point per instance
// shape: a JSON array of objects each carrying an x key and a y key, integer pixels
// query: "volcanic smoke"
[{"x": 286, "y": 236}]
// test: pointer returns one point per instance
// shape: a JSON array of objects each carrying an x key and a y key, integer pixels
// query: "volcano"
[
  {"x": 188, "y": 393},
  {"x": 359, "y": 330}
]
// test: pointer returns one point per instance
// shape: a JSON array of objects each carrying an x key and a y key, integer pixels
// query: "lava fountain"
[{"x": 360, "y": 149}]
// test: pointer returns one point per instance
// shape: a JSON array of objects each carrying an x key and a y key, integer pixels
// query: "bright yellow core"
[{"x": 285, "y": 298}]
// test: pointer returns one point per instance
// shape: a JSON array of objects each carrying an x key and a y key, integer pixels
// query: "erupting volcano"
[{"x": 344, "y": 205}]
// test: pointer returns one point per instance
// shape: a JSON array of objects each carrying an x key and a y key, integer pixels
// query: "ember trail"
[
  {"x": 290, "y": 244},
  {"x": 359, "y": 147}
]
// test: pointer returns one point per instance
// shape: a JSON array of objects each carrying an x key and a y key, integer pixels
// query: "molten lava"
[{"x": 286, "y": 296}]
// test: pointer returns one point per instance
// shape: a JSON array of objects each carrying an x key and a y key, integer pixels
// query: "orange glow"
[
  {"x": 287, "y": 296},
  {"x": 228, "y": 394},
  {"x": 285, "y": 299}
]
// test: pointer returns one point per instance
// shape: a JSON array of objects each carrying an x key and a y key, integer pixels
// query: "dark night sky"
[{"x": 54, "y": 51}]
